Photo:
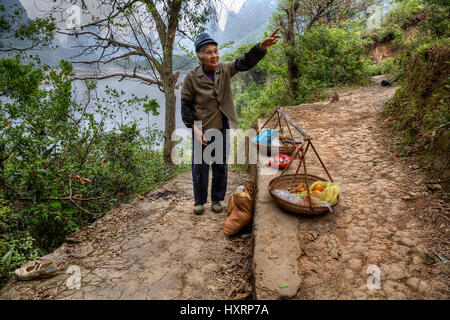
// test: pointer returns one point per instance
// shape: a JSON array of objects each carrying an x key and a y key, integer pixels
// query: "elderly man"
[{"x": 207, "y": 103}]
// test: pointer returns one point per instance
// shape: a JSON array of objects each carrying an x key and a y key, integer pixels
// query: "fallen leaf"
[
  {"x": 139, "y": 196},
  {"x": 120, "y": 195},
  {"x": 386, "y": 120}
]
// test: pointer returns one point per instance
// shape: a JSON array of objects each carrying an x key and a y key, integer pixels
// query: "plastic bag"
[
  {"x": 240, "y": 191},
  {"x": 265, "y": 136},
  {"x": 325, "y": 191},
  {"x": 286, "y": 195},
  {"x": 292, "y": 198}
]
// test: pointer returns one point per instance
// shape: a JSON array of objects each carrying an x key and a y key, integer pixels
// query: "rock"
[
  {"x": 355, "y": 263},
  {"x": 416, "y": 261},
  {"x": 83, "y": 251},
  {"x": 72, "y": 240},
  {"x": 335, "y": 253},
  {"x": 394, "y": 272},
  {"x": 407, "y": 242},
  {"x": 349, "y": 274},
  {"x": 413, "y": 283},
  {"x": 334, "y": 98},
  {"x": 435, "y": 187},
  {"x": 428, "y": 259},
  {"x": 242, "y": 296},
  {"x": 314, "y": 235},
  {"x": 423, "y": 287},
  {"x": 402, "y": 238}
]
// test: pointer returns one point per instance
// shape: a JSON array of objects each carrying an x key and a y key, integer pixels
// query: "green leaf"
[
  {"x": 69, "y": 211},
  {"x": 55, "y": 204},
  {"x": 7, "y": 257},
  {"x": 283, "y": 286}
]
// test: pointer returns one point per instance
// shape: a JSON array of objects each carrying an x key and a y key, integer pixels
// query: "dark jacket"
[{"x": 203, "y": 100}]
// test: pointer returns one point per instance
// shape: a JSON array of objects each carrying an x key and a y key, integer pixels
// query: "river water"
[{"x": 130, "y": 86}]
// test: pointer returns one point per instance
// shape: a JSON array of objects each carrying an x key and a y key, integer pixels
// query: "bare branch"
[{"x": 122, "y": 76}]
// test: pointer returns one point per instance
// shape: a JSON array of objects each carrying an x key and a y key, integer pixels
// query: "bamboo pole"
[{"x": 303, "y": 133}]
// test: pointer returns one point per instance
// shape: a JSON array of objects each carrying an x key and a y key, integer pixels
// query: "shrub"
[{"x": 420, "y": 108}]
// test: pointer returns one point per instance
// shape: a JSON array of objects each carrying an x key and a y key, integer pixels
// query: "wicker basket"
[
  {"x": 284, "y": 182},
  {"x": 286, "y": 150}
]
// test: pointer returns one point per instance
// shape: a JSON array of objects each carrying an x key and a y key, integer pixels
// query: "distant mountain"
[
  {"x": 47, "y": 55},
  {"x": 12, "y": 5},
  {"x": 248, "y": 25}
]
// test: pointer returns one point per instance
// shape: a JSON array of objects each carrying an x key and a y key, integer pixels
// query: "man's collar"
[{"x": 200, "y": 72}]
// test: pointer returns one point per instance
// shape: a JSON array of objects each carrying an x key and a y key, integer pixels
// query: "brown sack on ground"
[{"x": 241, "y": 211}]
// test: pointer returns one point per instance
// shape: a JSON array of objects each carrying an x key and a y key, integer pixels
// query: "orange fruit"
[{"x": 318, "y": 187}]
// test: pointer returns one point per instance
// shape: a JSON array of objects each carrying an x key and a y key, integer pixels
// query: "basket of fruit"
[
  {"x": 304, "y": 193},
  {"x": 291, "y": 192}
]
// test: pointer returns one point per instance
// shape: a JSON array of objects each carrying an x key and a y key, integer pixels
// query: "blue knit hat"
[{"x": 203, "y": 39}]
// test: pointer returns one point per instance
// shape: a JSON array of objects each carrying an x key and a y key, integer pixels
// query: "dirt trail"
[
  {"x": 389, "y": 216},
  {"x": 154, "y": 248}
]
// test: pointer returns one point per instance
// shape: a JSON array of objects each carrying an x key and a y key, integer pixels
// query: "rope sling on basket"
[
  {"x": 278, "y": 187},
  {"x": 264, "y": 140}
]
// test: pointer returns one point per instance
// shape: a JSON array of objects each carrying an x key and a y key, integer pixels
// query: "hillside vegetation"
[
  {"x": 419, "y": 110},
  {"x": 411, "y": 47}
]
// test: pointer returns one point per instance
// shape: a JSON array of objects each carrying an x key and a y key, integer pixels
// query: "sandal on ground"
[{"x": 38, "y": 269}]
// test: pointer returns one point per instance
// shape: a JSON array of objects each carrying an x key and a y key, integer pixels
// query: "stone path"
[
  {"x": 151, "y": 249},
  {"x": 388, "y": 216},
  {"x": 390, "y": 222}
]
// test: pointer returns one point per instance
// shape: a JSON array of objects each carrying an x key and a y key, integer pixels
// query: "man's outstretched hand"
[{"x": 270, "y": 40}]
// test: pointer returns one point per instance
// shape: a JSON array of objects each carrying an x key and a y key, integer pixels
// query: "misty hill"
[
  {"x": 50, "y": 56},
  {"x": 249, "y": 24},
  {"x": 246, "y": 26}
]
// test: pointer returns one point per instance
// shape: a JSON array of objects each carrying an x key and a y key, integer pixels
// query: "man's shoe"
[
  {"x": 198, "y": 209},
  {"x": 216, "y": 207}
]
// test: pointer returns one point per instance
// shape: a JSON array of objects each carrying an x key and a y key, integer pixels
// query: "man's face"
[{"x": 211, "y": 57}]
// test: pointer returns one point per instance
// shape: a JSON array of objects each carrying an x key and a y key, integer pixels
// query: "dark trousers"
[{"x": 200, "y": 171}]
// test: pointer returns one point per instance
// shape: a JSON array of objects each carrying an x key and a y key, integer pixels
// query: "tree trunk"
[
  {"x": 169, "y": 93},
  {"x": 169, "y": 80},
  {"x": 293, "y": 76},
  {"x": 288, "y": 37}
]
